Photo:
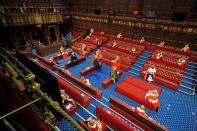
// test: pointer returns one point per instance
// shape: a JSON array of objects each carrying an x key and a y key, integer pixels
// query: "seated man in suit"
[
  {"x": 96, "y": 59},
  {"x": 73, "y": 58}
]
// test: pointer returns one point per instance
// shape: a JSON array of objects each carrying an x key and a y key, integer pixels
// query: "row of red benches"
[
  {"x": 143, "y": 121},
  {"x": 76, "y": 94},
  {"x": 95, "y": 92},
  {"x": 112, "y": 120},
  {"x": 48, "y": 63},
  {"x": 165, "y": 77},
  {"x": 167, "y": 65},
  {"x": 60, "y": 56},
  {"x": 127, "y": 46},
  {"x": 107, "y": 58}
]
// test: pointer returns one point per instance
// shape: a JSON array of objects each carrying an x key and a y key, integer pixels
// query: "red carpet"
[{"x": 136, "y": 89}]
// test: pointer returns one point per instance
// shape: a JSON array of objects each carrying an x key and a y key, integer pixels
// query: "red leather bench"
[
  {"x": 142, "y": 121},
  {"x": 48, "y": 63},
  {"x": 60, "y": 56},
  {"x": 69, "y": 64},
  {"x": 88, "y": 88},
  {"x": 78, "y": 95},
  {"x": 109, "y": 81},
  {"x": 112, "y": 120},
  {"x": 136, "y": 90},
  {"x": 87, "y": 70}
]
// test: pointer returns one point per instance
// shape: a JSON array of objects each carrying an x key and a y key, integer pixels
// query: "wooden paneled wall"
[{"x": 163, "y": 8}]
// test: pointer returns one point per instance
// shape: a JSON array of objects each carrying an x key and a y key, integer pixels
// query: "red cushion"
[
  {"x": 87, "y": 70},
  {"x": 135, "y": 93},
  {"x": 142, "y": 84}
]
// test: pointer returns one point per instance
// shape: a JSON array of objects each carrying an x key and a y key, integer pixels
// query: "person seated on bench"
[
  {"x": 140, "y": 110},
  {"x": 95, "y": 124},
  {"x": 162, "y": 44},
  {"x": 83, "y": 50},
  {"x": 181, "y": 61},
  {"x": 96, "y": 58},
  {"x": 142, "y": 40},
  {"x": 159, "y": 55},
  {"x": 153, "y": 97},
  {"x": 150, "y": 74},
  {"x": 119, "y": 35},
  {"x": 63, "y": 52},
  {"x": 133, "y": 50},
  {"x": 91, "y": 31},
  {"x": 84, "y": 80},
  {"x": 115, "y": 67},
  {"x": 73, "y": 58},
  {"x": 87, "y": 37},
  {"x": 114, "y": 44},
  {"x": 65, "y": 97},
  {"x": 186, "y": 49},
  {"x": 98, "y": 42}
]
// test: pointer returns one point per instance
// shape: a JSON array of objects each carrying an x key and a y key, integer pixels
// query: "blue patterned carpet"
[{"x": 177, "y": 111}]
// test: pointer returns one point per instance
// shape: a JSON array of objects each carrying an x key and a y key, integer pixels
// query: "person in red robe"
[
  {"x": 152, "y": 96},
  {"x": 95, "y": 124},
  {"x": 115, "y": 69}
]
